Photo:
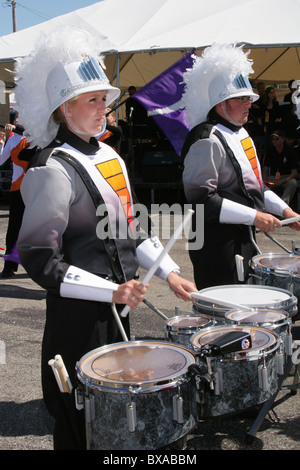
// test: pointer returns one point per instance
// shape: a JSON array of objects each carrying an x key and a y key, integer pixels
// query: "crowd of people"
[{"x": 73, "y": 166}]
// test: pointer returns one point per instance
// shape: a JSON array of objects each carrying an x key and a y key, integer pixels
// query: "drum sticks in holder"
[{"x": 61, "y": 374}]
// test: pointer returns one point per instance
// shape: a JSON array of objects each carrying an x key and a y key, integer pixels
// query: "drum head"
[
  {"x": 263, "y": 340},
  {"x": 188, "y": 322},
  {"x": 247, "y": 295},
  {"x": 277, "y": 262},
  {"x": 258, "y": 316},
  {"x": 136, "y": 362}
]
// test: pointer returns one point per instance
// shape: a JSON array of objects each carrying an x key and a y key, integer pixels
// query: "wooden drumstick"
[
  {"x": 63, "y": 374},
  {"x": 159, "y": 259}
]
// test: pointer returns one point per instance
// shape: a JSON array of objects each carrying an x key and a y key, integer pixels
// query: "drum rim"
[
  {"x": 187, "y": 329},
  {"x": 253, "y": 353},
  {"x": 134, "y": 386},
  {"x": 279, "y": 271},
  {"x": 289, "y": 302}
]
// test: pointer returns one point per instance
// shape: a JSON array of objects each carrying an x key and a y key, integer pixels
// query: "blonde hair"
[{"x": 58, "y": 116}]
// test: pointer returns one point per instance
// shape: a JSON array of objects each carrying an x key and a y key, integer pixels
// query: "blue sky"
[{"x": 32, "y": 12}]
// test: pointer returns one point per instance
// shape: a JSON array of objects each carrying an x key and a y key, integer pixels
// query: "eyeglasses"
[{"x": 244, "y": 99}]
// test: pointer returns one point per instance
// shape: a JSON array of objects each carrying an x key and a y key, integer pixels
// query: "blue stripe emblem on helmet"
[{"x": 89, "y": 69}]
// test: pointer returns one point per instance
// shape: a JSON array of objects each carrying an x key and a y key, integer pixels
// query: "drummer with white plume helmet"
[
  {"x": 221, "y": 168},
  {"x": 62, "y": 94}
]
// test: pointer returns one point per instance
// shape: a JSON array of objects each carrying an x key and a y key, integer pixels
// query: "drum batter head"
[
  {"x": 263, "y": 340},
  {"x": 188, "y": 322},
  {"x": 247, "y": 295},
  {"x": 260, "y": 316},
  {"x": 135, "y": 363},
  {"x": 278, "y": 262}
]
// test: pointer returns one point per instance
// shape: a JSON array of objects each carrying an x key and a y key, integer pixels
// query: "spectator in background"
[
  {"x": 270, "y": 115},
  {"x": 280, "y": 169},
  {"x": 16, "y": 206},
  {"x": 113, "y": 134},
  {"x": 288, "y": 97}
]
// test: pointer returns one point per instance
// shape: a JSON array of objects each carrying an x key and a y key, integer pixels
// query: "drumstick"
[
  {"x": 63, "y": 374},
  {"x": 159, "y": 259},
  {"x": 231, "y": 305},
  {"x": 290, "y": 221}
]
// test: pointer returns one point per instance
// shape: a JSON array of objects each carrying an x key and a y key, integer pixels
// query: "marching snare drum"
[
  {"x": 137, "y": 395},
  {"x": 181, "y": 328},
  {"x": 278, "y": 270},
  {"x": 252, "y": 296},
  {"x": 239, "y": 380}
]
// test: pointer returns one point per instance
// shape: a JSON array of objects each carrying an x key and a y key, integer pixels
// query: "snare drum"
[
  {"x": 252, "y": 296},
  {"x": 278, "y": 270},
  {"x": 137, "y": 395},
  {"x": 181, "y": 328},
  {"x": 240, "y": 380}
]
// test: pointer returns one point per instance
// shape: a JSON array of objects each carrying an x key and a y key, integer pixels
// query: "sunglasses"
[{"x": 244, "y": 99}]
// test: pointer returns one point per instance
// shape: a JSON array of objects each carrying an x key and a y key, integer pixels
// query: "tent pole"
[
  {"x": 272, "y": 63},
  {"x": 117, "y": 83}
]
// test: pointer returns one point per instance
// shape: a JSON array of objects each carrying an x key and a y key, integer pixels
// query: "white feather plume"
[
  {"x": 65, "y": 44},
  {"x": 224, "y": 59}
]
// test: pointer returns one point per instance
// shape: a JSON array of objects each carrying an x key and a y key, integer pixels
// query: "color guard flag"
[{"x": 162, "y": 98}]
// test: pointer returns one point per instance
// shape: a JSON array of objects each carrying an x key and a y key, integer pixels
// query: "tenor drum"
[
  {"x": 278, "y": 270},
  {"x": 181, "y": 328},
  {"x": 239, "y": 380},
  {"x": 276, "y": 320},
  {"x": 253, "y": 296},
  {"x": 137, "y": 395}
]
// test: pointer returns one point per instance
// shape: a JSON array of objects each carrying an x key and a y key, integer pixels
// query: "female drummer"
[{"x": 62, "y": 95}]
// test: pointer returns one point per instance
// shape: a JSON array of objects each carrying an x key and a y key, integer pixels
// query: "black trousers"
[
  {"x": 214, "y": 264},
  {"x": 73, "y": 328},
  {"x": 16, "y": 210}
]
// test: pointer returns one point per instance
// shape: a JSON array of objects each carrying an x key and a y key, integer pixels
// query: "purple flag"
[{"x": 162, "y": 99}]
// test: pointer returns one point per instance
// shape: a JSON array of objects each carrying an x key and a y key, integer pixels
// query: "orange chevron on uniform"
[
  {"x": 113, "y": 174},
  {"x": 251, "y": 154}
]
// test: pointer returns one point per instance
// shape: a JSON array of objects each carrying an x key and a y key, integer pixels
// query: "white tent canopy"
[{"x": 141, "y": 38}]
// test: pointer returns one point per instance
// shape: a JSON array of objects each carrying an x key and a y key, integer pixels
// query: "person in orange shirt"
[{"x": 16, "y": 205}]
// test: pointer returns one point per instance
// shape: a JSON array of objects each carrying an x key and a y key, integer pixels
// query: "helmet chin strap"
[
  {"x": 229, "y": 119},
  {"x": 77, "y": 131}
]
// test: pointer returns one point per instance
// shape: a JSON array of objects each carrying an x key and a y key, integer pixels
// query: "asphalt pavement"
[{"x": 24, "y": 421}]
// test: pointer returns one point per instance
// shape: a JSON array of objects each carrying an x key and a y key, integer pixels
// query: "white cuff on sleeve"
[
  {"x": 80, "y": 284},
  {"x": 147, "y": 254},
  {"x": 235, "y": 213},
  {"x": 274, "y": 204}
]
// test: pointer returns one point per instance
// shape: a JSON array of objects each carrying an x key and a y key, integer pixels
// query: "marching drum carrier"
[
  {"x": 237, "y": 380},
  {"x": 137, "y": 395},
  {"x": 249, "y": 296}
]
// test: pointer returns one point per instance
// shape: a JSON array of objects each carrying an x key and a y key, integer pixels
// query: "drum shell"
[
  {"x": 181, "y": 328},
  {"x": 241, "y": 388},
  {"x": 276, "y": 277},
  {"x": 155, "y": 425},
  {"x": 247, "y": 296}
]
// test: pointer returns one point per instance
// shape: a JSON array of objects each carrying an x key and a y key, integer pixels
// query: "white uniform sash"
[{"x": 108, "y": 172}]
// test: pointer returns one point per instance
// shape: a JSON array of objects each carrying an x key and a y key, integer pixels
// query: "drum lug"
[
  {"x": 263, "y": 376},
  {"x": 178, "y": 409},
  {"x": 280, "y": 359},
  {"x": 289, "y": 343},
  {"x": 131, "y": 416},
  {"x": 218, "y": 380},
  {"x": 79, "y": 399},
  {"x": 89, "y": 406}
]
